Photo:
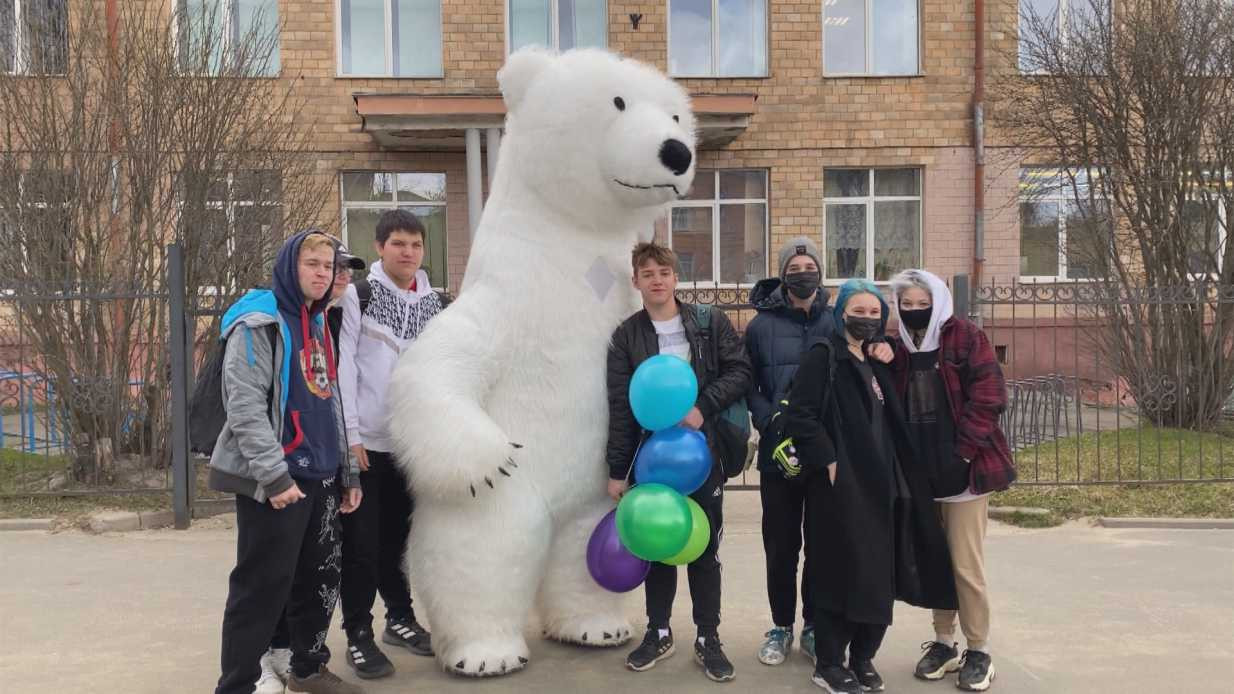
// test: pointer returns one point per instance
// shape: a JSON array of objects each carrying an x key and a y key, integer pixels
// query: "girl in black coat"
[{"x": 871, "y": 522}]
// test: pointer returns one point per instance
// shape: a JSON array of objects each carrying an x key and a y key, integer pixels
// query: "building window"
[
  {"x": 1206, "y": 217},
  {"x": 719, "y": 231},
  {"x": 557, "y": 24},
  {"x": 236, "y": 218},
  {"x": 870, "y": 37},
  {"x": 367, "y": 194},
  {"x": 390, "y": 38},
  {"x": 1064, "y": 223},
  {"x": 872, "y": 222},
  {"x": 717, "y": 38},
  {"x": 1047, "y": 22},
  {"x": 34, "y": 38},
  {"x": 215, "y": 34}
]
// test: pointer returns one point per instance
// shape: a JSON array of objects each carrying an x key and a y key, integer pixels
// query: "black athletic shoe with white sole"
[
  {"x": 977, "y": 672},
  {"x": 715, "y": 664},
  {"x": 366, "y": 658},
  {"x": 652, "y": 650},
  {"x": 836, "y": 679},
  {"x": 407, "y": 633},
  {"x": 866, "y": 675},
  {"x": 938, "y": 660}
]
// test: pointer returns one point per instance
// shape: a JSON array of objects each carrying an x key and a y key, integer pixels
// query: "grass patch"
[
  {"x": 26, "y": 472},
  {"x": 70, "y": 507},
  {"x": 1134, "y": 455}
]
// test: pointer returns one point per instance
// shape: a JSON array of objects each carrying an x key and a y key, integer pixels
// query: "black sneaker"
[
  {"x": 715, "y": 664},
  {"x": 867, "y": 676},
  {"x": 938, "y": 660},
  {"x": 977, "y": 672},
  {"x": 652, "y": 650},
  {"x": 366, "y": 658},
  {"x": 836, "y": 679},
  {"x": 407, "y": 633}
]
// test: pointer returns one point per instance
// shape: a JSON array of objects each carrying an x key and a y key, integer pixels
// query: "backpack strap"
[
  {"x": 272, "y": 331},
  {"x": 364, "y": 290}
]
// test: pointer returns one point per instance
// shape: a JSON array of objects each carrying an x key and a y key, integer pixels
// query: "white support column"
[
  {"x": 492, "y": 143},
  {"x": 475, "y": 183}
]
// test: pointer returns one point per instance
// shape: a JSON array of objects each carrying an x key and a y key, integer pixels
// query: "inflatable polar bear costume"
[{"x": 499, "y": 410}]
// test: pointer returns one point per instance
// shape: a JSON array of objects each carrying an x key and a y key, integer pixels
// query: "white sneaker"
[
  {"x": 280, "y": 658},
  {"x": 269, "y": 682}
]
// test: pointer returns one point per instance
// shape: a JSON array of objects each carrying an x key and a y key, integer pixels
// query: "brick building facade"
[{"x": 848, "y": 121}]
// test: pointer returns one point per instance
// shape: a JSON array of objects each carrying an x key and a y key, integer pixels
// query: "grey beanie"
[{"x": 795, "y": 247}]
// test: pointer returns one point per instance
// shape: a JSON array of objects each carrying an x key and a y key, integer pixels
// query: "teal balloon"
[
  {"x": 700, "y": 537},
  {"x": 662, "y": 391},
  {"x": 653, "y": 522}
]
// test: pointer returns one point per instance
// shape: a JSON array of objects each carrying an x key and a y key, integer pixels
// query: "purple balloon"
[{"x": 610, "y": 563}]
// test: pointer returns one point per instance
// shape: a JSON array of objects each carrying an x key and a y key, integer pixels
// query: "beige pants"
[{"x": 965, "y": 525}]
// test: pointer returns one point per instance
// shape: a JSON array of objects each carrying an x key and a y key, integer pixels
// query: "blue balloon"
[
  {"x": 662, "y": 391},
  {"x": 675, "y": 457}
]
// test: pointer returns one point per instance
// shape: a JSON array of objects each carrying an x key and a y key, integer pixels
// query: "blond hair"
[{"x": 316, "y": 241}]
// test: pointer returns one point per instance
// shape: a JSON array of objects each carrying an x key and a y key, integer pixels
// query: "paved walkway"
[{"x": 1077, "y": 609}]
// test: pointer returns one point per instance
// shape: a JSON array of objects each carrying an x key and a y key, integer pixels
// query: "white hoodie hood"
[{"x": 940, "y": 295}]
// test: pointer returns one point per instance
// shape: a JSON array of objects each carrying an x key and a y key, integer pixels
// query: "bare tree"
[
  {"x": 1138, "y": 107},
  {"x": 156, "y": 127}
]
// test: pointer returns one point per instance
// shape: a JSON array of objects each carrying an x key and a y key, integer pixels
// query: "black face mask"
[
  {"x": 803, "y": 284},
  {"x": 916, "y": 319},
  {"x": 862, "y": 328}
]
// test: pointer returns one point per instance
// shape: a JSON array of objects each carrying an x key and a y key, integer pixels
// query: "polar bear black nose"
[{"x": 676, "y": 156}]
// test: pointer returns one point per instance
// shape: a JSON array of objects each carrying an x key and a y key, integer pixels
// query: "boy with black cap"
[
  {"x": 283, "y": 453},
  {"x": 792, "y": 314}
]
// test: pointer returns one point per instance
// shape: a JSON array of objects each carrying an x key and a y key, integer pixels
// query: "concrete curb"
[
  {"x": 1168, "y": 523},
  {"x": 25, "y": 524},
  {"x": 1001, "y": 512}
]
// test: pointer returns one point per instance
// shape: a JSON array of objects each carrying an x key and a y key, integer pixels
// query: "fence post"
[
  {"x": 182, "y": 480},
  {"x": 960, "y": 294}
]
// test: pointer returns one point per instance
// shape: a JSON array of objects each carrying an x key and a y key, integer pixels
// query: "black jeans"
[
  {"x": 374, "y": 540},
  {"x": 833, "y": 634},
  {"x": 784, "y": 505},
  {"x": 704, "y": 572},
  {"x": 284, "y": 558}
]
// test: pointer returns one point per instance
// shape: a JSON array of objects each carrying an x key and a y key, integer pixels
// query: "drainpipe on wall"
[{"x": 978, "y": 142}]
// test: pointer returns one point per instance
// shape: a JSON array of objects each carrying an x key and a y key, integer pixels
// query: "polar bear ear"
[{"x": 520, "y": 70}]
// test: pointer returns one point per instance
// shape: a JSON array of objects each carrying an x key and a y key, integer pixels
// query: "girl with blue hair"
[{"x": 871, "y": 521}]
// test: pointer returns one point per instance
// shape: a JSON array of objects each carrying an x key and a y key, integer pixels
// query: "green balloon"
[
  {"x": 653, "y": 521},
  {"x": 700, "y": 536}
]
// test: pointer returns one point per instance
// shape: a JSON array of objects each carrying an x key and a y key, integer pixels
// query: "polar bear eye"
[
  {"x": 620, "y": 103},
  {"x": 676, "y": 119}
]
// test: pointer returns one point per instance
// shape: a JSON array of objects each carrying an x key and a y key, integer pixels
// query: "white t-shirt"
[{"x": 671, "y": 335}]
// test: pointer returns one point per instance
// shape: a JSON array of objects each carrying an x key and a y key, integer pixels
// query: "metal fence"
[
  {"x": 83, "y": 390},
  {"x": 1109, "y": 384}
]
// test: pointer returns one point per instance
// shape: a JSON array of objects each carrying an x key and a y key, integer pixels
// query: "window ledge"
[
  {"x": 868, "y": 76},
  {"x": 341, "y": 76}
]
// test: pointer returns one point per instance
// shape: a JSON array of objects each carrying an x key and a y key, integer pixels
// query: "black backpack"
[
  {"x": 207, "y": 411},
  {"x": 731, "y": 426},
  {"x": 774, "y": 440}
]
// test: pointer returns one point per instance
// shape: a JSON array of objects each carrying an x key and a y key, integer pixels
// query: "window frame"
[
  {"x": 1061, "y": 27},
  {"x": 393, "y": 204},
  {"x": 388, "y": 14},
  {"x": 1066, "y": 194},
  {"x": 868, "y": 200},
  {"x": 229, "y": 206},
  {"x": 714, "y": 204},
  {"x": 1225, "y": 216},
  {"x": 715, "y": 45},
  {"x": 19, "y": 66},
  {"x": 869, "y": 43},
  {"x": 554, "y": 26},
  {"x": 231, "y": 7}
]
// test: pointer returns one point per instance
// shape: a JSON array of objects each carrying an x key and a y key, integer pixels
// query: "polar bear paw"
[
  {"x": 597, "y": 631},
  {"x": 486, "y": 658}
]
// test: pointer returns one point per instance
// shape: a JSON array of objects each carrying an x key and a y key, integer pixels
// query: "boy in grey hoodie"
[{"x": 283, "y": 453}]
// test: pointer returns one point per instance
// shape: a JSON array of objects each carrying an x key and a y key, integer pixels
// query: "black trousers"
[
  {"x": 284, "y": 558},
  {"x": 374, "y": 540},
  {"x": 834, "y": 634},
  {"x": 704, "y": 572},
  {"x": 784, "y": 508}
]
